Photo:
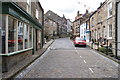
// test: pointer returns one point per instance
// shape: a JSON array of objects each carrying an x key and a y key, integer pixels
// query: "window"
[
  {"x": 38, "y": 39},
  {"x": 103, "y": 31},
  {"x": 81, "y": 31},
  {"x": 96, "y": 34},
  {"x": 37, "y": 14},
  {"x": 28, "y": 6},
  {"x": 84, "y": 30},
  {"x": 16, "y": 35},
  {"x": 28, "y": 2},
  {"x": 109, "y": 9},
  {"x": 20, "y": 35},
  {"x": 30, "y": 37},
  {"x": 110, "y": 30},
  {"x": 3, "y": 34},
  {"x": 11, "y": 35},
  {"x": 99, "y": 33},
  {"x": 26, "y": 36}
]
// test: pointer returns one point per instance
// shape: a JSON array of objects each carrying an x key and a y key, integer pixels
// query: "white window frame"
[
  {"x": 16, "y": 27},
  {"x": 28, "y": 9},
  {"x": 6, "y": 46},
  {"x": 109, "y": 37},
  {"x": 28, "y": 2},
  {"x": 6, "y": 39},
  {"x": 37, "y": 14},
  {"x": 109, "y": 8}
]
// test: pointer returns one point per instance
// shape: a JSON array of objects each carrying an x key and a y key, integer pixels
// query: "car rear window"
[{"x": 79, "y": 39}]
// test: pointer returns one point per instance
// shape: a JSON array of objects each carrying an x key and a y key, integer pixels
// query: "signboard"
[{"x": 118, "y": 27}]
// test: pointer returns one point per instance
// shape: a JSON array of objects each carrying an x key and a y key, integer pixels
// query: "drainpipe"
[
  {"x": 43, "y": 34},
  {"x": 116, "y": 34}
]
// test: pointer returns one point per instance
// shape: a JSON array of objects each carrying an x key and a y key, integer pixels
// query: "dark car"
[{"x": 79, "y": 42}]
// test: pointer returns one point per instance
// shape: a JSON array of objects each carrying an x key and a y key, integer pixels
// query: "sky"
[{"x": 70, "y": 7}]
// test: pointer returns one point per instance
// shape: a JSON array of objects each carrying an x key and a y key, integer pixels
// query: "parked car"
[{"x": 79, "y": 42}]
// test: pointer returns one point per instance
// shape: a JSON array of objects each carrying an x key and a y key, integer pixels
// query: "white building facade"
[{"x": 83, "y": 31}]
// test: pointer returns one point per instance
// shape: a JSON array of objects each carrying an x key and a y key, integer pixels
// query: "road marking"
[
  {"x": 91, "y": 70},
  {"x": 85, "y": 61},
  {"x": 80, "y": 56},
  {"x": 75, "y": 48}
]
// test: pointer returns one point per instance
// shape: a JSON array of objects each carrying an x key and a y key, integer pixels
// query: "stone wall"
[{"x": 10, "y": 61}]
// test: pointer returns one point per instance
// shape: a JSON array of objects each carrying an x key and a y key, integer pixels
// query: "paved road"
[{"x": 63, "y": 60}]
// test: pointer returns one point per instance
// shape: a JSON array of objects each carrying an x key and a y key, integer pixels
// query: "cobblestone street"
[{"x": 63, "y": 60}]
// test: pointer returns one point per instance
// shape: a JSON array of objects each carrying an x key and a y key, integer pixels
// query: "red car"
[{"x": 79, "y": 42}]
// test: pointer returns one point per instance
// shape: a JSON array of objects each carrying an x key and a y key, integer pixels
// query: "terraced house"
[
  {"x": 61, "y": 23},
  {"x": 22, "y": 31},
  {"x": 103, "y": 24}
]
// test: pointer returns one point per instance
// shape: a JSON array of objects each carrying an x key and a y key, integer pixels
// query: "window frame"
[
  {"x": 110, "y": 32},
  {"x": 110, "y": 7},
  {"x": 37, "y": 13},
  {"x": 6, "y": 35}
]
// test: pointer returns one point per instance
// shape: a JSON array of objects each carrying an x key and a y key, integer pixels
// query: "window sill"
[
  {"x": 109, "y": 38},
  {"x": 109, "y": 17},
  {"x": 14, "y": 53}
]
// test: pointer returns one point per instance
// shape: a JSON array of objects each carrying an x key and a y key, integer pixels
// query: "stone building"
[
  {"x": 61, "y": 21},
  {"x": 64, "y": 27},
  {"x": 50, "y": 28},
  {"x": 22, "y": 31},
  {"x": 69, "y": 27},
  {"x": 102, "y": 23},
  {"x": 118, "y": 28},
  {"x": 79, "y": 20},
  {"x": 76, "y": 24},
  {"x": 84, "y": 25}
]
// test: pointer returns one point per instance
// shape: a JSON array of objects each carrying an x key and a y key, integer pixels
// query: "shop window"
[
  {"x": 30, "y": 37},
  {"x": 11, "y": 35},
  {"x": 3, "y": 33},
  {"x": 25, "y": 36},
  {"x": 20, "y": 36}
]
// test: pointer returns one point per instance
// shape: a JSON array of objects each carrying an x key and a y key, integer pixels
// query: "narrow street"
[{"x": 63, "y": 60}]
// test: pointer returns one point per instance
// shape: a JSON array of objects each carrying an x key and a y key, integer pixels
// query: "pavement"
[
  {"x": 63, "y": 60},
  {"x": 25, "y": 63}
]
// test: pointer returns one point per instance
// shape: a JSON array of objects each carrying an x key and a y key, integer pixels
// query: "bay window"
[{"x": 16, "y": 35}]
